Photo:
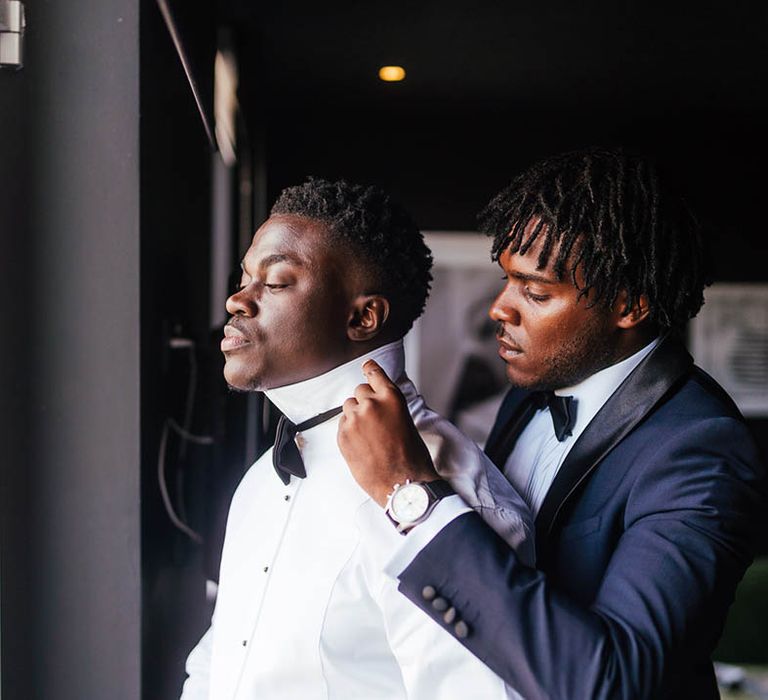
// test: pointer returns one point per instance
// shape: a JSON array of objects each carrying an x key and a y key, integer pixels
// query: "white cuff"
[
  {"x": 393, "y": 551},
  {"x": 420, "y": 536}
]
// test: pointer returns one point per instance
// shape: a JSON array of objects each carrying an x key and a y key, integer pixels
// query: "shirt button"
[
  {"x": 266, "y": 568},
  {"x": 287, "y": 497},
  {"x": 245, "y": 642}
]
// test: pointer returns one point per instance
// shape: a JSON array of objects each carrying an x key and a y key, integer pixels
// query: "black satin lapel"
[
  {"x": 628, "y": 405},
  {"x": 508, "y": 415}
]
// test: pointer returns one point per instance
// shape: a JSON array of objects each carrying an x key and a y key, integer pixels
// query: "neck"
[
  {"x": 329, "y": 389},
  {"x": 633, "y": 340}
]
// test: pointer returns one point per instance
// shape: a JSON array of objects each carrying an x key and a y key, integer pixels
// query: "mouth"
[
  {"x": 507, "y": 349},
  {"x": 233, "y": 339}
]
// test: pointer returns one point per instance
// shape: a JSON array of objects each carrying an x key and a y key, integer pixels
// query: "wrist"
[
  {"x": 384, "y": 489},
  {"x": 411, "y": 502}
]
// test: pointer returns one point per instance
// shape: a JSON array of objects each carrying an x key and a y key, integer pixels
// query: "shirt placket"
[{"x": 265, "y": 572}]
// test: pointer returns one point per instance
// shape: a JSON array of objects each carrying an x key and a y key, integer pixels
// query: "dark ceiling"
[
  {"x": 492, "y": 86},
  {"x": 512, "y": 51}
]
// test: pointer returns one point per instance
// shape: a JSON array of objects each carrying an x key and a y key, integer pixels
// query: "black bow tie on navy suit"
[
  {"x": 561, "y": 408},
  {"x": 286, "y": 457}
]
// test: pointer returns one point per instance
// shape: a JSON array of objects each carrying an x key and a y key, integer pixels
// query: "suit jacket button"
[
  {"x": 461, "y": 629},
  {"x": 440, "y": 604},
  {"x": 428, "y": 592},
  {"x": 449, "y": 616}
]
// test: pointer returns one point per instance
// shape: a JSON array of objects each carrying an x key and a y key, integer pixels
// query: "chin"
[
  {"x": 516, "y": 379},
  {"x": 238, "y": 378},
  {"x": 527, "y": 382}
]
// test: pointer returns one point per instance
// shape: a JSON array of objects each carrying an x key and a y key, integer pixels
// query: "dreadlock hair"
[
  {"x": 365, "y": 220},
  {"x": 605, "y": 212}
]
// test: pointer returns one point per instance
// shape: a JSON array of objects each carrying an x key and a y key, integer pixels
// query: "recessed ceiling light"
[{"x": 392, "y": 74}]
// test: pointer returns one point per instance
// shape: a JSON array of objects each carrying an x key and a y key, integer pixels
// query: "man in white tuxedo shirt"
[{"x": 336, "y": 276}]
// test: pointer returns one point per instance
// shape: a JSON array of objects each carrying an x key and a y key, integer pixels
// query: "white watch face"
[{"x": 409, "y": 503}]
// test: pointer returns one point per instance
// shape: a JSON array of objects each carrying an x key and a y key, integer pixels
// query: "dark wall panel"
[
  {"x": 15, "y": 267},
  {"x": 72, "y": 463}
]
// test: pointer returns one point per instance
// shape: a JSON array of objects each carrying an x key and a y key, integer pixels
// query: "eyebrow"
[
  {"x": 530, "y": 277},
  {"x": 274, "y": 259}
]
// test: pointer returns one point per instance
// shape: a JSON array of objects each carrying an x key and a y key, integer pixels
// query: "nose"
[
  {"x": 242, "y": 303},
  {"x": 503, "y": 310}
]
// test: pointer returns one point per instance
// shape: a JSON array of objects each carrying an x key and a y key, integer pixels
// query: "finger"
[
  {"x": 364, "y": 391},
  {"x": 349, "y": 407},
  {"x": 341, "y": 432},
  {"x": 377, "y": 377}
]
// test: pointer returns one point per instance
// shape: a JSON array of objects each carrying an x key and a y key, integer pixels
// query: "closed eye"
[{"x": 536, "y": 297}]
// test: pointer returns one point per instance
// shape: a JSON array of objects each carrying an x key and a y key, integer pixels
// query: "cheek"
[
  {"x": 330, "y": 309},
  {"x": 547, "y": 323},
  {"x": 318, "y": 320},
  {"x": 553, "y": 331}
]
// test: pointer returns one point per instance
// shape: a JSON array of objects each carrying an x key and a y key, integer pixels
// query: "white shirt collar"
[
  {"x": 303, "y": 400},
  {"x": 595, "y": 390}
]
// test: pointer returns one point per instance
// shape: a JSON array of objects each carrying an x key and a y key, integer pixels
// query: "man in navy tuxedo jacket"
[{"x": 646, "y": 485}]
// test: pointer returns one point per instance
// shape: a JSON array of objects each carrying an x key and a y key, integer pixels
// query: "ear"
[
  {"x": 367, "y": 318},
  {"x": 635, "y": 315}
]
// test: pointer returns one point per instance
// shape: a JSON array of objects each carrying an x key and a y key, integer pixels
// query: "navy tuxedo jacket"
[{"x": 641, "y": 540}]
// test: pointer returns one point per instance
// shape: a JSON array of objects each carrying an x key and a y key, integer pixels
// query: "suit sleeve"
[{"x": 689, "y": 522}]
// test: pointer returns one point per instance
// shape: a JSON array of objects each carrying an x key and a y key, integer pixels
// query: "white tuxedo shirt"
[{"x": 304, "y": 608}]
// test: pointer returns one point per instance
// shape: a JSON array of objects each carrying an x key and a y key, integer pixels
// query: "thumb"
[{"x": 377, "y": 377}]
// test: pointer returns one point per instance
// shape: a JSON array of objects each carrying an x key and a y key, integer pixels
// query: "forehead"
[
  {"x": 531, "y": 258},
  {"x": 291, "y": 239},
  {"x": 535, "y": 255}
]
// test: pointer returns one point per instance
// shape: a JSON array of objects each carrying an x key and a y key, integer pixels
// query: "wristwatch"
[{"x": 411, "y": 503}]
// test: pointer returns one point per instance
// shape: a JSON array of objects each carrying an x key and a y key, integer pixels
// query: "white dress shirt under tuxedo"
[
  {"x": 538, "y": 455},
  {"x": 304, "y": 612}
]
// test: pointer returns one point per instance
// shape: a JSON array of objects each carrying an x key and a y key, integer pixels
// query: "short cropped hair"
[{"x": 370, "y": 224}]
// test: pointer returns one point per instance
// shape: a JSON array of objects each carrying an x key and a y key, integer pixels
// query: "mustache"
[
  {"x": 237, "y": 323},
  {"x": 248, "y": 329},
  {"x": 503, "y": 336},
  {"x": 501, "y": 333}
]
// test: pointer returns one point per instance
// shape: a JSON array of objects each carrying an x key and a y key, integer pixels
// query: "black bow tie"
[
  {"x": 286, "y": 457},
  {"x": 561, "y": 408}
]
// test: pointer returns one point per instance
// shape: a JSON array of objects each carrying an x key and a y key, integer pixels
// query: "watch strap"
[{"x": 439, "y": 488}]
